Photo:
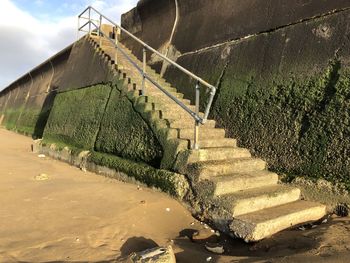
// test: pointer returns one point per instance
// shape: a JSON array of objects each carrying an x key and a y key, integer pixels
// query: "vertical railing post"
[
  {"x": 116, "y": 44},
  {"x": 89, "y": 21},
  {"x": 143, "y": 70},
  {"x": 196, "y": 125},
  {"x": 99, "y": 31}
]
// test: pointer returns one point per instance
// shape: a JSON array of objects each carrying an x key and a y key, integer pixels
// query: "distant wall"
[
  {"x": 282, "y": 71},
  {"x": 74, "y": 99},
  {"x": 25, "y": 104}
]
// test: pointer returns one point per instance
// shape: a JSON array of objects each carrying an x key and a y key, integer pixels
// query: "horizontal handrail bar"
[{"x": 95, "y": 20}]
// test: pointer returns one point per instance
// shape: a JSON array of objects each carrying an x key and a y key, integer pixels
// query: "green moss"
[
  {"x": 59, "y": 145},
  {"x": 300, "y": 125},
  {"x": 172, "y": 183},
  {"x": 76, "y": 116},
  {"x": 289, "y": 109},
  {"x": 125, "y": 133},
  {"x": 10, "y": 118}
]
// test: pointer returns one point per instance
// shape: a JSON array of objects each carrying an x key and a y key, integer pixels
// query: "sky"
[{"x": 31, "y": 31}]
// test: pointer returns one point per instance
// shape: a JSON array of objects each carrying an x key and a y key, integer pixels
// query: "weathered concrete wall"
[
  {"x": 153, "y": 22},
  {"x": 25, "y": 104},
  {"x": 204, "y": 23},
  {"x": 282, "y": 68},
  {"x": 60, "y": 101},
  {"x": 27, "y": 100},
  {"x": 101, "y": 118},
  {"x": 77, "y": 105},
  {"x": 123, "y": 131}
]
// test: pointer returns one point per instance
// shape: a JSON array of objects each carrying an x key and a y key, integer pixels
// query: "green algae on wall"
[
  {"x": 299, "y": 125},
  {"x": 10, "y": 118},
  {"x": 76, "y": 116},
  {"x": 102, "y": 118},
  {"x": 26, "y": 121},
  {"x": 172, "y": 183},
  {"x": 124, "y": 132},
  {"x": 284, "y": 95}
]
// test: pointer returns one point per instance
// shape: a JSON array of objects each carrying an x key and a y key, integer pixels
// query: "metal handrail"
[{"x": 198, "y": 120}]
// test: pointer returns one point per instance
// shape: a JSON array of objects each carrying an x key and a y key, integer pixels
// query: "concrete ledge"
[{"x": 117, "y": 168}]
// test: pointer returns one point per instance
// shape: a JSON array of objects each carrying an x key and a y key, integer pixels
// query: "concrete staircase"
[{"x": 232, "y": 189}]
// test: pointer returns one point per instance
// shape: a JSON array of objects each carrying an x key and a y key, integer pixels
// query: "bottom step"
[{"x": 264, "y": 223}]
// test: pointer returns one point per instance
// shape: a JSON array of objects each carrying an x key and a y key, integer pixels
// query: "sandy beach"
[{"x": 53, "y": 212}]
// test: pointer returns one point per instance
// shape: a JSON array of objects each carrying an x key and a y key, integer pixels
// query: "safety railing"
[{"x": 90, "y": 22}]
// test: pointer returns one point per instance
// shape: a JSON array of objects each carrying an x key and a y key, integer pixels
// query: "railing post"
[
  {"x": 89, "y": 21},
  {"x": 116, "y": 43},
  {"x": 143, "y": 70},
  {"x": 196, "y": 125},
  {"x": 99, "y": 31}
]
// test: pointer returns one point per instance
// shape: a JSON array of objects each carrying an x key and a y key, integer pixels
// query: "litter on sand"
[{"x": 41, "y": 177}]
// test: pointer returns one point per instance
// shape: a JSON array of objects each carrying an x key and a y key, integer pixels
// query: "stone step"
[
  {"x": 159, "y": 96},
  {"x": 264, "y": 223},
  {"x": 176, "y": 112},
  {"x": 123, "y": 60},
  {"x": 162, "y": 100},
  {"x": 105, "y": 42},
  {"x": 204, "y": 133},
  {"x": 185, "y": 123},
  {"x": 128, "y": 66},
  {"x": 228, "y": 184},
  {"x": 173, "y": 106},
  {"x": 155, "y": 92},
  {"x": 215, "y": 154},
  {"x": 251, "y": 200},
  {"x": 208, "y": 143},
  {"x": 136, "y": 77},
  {"x": 217, "y": 168}
]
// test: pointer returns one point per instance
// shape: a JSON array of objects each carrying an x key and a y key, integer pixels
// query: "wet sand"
[{"x": 73, "y": 215}]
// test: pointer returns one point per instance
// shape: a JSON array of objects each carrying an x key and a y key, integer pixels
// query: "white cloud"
[{"x": 26, "y": 41}]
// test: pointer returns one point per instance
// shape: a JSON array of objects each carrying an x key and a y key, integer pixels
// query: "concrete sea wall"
[
  {"x": 282, "y": 71},
  {"x": 80, "y": 109},
  {"x": 281, "y": 68},
  {"x": 26, "y": 103}
]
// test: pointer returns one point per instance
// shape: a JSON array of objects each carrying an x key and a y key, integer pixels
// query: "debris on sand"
[
  {"x": 215, "y": 248},
  {"x": 204, "y": 235},
  {"x": 302, "y": 228},
  {"x": 41, "y": 177},
  {"x": 342, "y": 210},
  {"x": 154, "y": 255},
  {"x": 41, "y": 155}
]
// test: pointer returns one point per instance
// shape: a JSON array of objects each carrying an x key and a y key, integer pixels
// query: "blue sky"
[
  {"x": 33, "y": 30},
  {"x": 52, "y": 9}
]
